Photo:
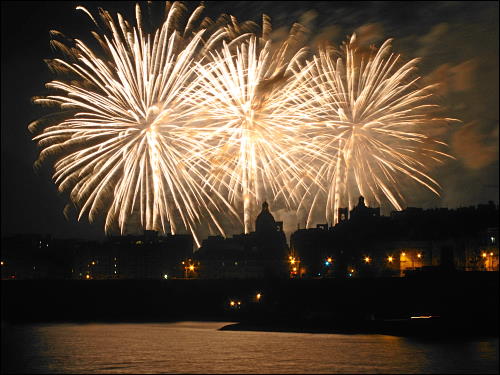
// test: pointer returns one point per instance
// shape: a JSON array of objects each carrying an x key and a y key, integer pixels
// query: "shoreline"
[{"x": 404, "y": 330}]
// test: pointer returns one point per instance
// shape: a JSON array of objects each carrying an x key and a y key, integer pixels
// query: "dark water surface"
[{"x": 199, "y": 347}]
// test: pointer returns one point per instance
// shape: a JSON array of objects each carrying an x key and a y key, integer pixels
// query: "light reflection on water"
[{"x": 198, "y": 347}]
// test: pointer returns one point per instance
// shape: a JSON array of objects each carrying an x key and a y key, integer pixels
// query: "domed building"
[
  {"x": 269, "y": 238},
  {"x": 265, "y": 222},
  {"x": 262, "y": 253}
]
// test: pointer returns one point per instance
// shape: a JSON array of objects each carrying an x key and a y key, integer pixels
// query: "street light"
[
  {"x": 367, "y": 259},
  {"x": 294, "y": 265},
  {"x": 390, "y": 259}
]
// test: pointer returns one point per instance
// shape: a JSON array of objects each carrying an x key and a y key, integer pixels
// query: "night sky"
[{"x": 457, "y": 41}]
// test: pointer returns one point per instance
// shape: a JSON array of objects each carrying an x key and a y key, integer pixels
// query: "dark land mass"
[{"x": 447, "y": 303}]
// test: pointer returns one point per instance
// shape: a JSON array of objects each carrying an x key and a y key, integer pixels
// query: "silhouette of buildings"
[
  {"x": 362, "y": 244},
  {"x": 367, "y": 244},
  {"x": 122, "y": 257},
  {"x": 262, "y": 253}
]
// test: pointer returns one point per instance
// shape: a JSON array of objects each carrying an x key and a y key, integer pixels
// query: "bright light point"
[
  {"x": 403, "y": 254},
  {"x": 352, "y": 271},
  {"x": 191, "y": 268},
  {"x": 350, "y": 274},
  {"x": 329, "y": 260},
  {"x": 419, "y": 255},
  {"x": 87, "y": 277},
  {"x": 294, "y": 269},
  {"x": 164, "y": 276},
  {"x": 491, "y": 254},
  {"x": 259, "y": 296},
  {"x": 389, "y": 259},
  {"x": 231, "y": 303},
  {"x": 484, "y": 255},
  {"x": 2, "y": 263},
  {"x": 292, "y": 261},
  {"x": 367, "y": 260},
  {"x": 93, "y": 263},
  {"x": 327, "y": 263}
]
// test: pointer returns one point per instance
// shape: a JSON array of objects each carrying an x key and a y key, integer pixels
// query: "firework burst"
[
  {"x": 369, "y": 126},
  {"x": 241, "y": 102},
  {"x": 119, "y": 138}
]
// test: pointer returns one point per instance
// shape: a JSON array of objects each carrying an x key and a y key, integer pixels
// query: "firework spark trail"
[
  {"x": 368, "y": 126},
  {"x": 241, "y": 100},
  {"x": 123, "y": 145}
]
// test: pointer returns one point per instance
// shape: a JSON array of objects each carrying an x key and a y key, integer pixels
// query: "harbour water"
[{"x": 200, "y": 347}]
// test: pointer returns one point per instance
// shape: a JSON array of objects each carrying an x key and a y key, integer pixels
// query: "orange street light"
[
  {"x": 403, "y": 254},
  {"x": 484, "y": 255},
  {"x": 419, "y": 256},
  {"x": 191, "y": 267},
  {"x": 389, "y": 259},
  {"x": 367, "y": 259}
]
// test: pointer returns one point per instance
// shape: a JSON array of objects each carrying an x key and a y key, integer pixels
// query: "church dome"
[{"x": 265, "y": 221}]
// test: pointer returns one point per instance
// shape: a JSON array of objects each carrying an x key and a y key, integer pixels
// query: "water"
[{"x": 198, "y": 347}]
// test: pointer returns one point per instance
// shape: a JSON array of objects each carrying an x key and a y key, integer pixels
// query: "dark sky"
[{"x": 457, "y": 41}]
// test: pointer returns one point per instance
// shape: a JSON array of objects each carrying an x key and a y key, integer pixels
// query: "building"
[
  {"x": 258, "y": 254},
  {"x": 409, "y": 241}
]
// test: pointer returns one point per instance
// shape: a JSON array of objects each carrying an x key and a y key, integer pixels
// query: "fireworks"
[
  {"x": 124, "y": 147},
  {"x": 201, "y": 120},
  {"x": 242, "y": 102},
  {"x": 369, "y": 126}
]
